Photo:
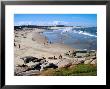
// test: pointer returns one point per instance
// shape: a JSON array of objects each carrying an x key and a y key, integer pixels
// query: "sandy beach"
[
  {"x": 35, "y": 44},
  {"x": 32, "y": 43},
  {"x": 55, "y": 44}
]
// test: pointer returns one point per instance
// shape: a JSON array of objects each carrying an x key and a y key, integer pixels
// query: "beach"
[
  {"x": 55, "y": 44},
  {"x": 33, "y": 43}
]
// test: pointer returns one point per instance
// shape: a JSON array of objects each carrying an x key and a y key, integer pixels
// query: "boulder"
[
  {"x": 36, "y": 67},
  {"x": 37, "y": 60},
  {"x": 94, "y": 62},
  {"x": 29, "y": 73},
  {"x": 23, "y": 65},
  {"x": 78, "y": 60},
  {"x": 50, "y": 58},
  {"x": 28, "y": 59},
  {"x": 51, "y": 65},
  {"x": 64, "y": 63},
  {"x": 88, "y": 61},
  {"x": 18, "y": 70},
  {"x": 42, "y": 61},
  {"x": 48, "y": 65},
  {"x": 32, "y": 64}
]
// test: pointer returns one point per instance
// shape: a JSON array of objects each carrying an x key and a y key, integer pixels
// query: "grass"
[{"x": 74, "y": 70}]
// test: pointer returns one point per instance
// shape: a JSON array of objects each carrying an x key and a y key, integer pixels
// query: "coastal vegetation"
[{"x": 74, "y": 70}]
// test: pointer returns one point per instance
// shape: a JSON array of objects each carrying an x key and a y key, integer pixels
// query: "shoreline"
[
  {"x": 75, "y": 40},
  {"x": 34, "y": 44}
]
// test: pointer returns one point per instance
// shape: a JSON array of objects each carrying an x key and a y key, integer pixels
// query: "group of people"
[
  {"x": 60, "y": 57},
  {"x": 19, "y": 46},
  {"x": 47, "y": 42},
  {"x": 73, "y": 53}
]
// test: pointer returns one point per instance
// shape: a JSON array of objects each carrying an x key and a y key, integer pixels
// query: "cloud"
[
  {"x": 46, "y": 23},
  {"x": 60, "y": 23},
  {"x": 24, "y": 23},
  {"x": 43, "y": 23},
  {"x": 50, "y": 23}
]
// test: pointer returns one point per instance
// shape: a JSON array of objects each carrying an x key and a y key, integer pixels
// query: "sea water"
[{"x": 79, "y": 38}]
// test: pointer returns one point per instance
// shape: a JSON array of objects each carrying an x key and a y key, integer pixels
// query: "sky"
[{"x": 56, "y": 19}]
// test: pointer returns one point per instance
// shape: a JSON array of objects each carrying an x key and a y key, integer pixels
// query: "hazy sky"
[{"x": 55, "y": 19}]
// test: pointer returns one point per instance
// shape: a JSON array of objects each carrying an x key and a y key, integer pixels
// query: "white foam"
[{"x": 84, "y": 33}]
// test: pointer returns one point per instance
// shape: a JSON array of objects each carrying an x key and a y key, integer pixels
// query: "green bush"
[{"x": 77, "y": 70}]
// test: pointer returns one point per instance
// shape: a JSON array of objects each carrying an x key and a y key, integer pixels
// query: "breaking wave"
[
  {"x": 75, "y": 31},
  {"x": 84, "y": 33}
]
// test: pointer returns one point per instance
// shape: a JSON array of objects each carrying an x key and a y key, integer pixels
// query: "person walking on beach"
[
  {"x": 19, "y": 46},
  {"x": 45, "y": 37},
  {"x": 50, "y": 42},
  {"x": 14, "y": 44},
  {"x": 60, "y": 57},
  {"x": 54, "y": 57},
  {"x": 47, "y": 42},
  {"x": 69, "y": 53}
]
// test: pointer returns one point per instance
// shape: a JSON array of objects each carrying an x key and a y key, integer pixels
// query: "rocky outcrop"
[
  {"x": 78, "y": 61},
  {"x": 19, "y": 69},
  {"x": 88, "y": 61},
  {"x": 64, "y": 63},
  {"x": 94, "y": 62},
  {"x": 28, "y": 59},
  {"x": 29, "y": 73},
  {"x": 48, "y": 65},
  {"x": 33, "y": 65}
]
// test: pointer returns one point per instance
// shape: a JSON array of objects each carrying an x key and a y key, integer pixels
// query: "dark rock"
[
  {"x": 28, "y": 59},
  {"x": 29, "y": 73},
  {"x": 32, "y": 64},
  {"x": 23, "y": 65},
  {"x": 50, "y": 57},
  {"x": 37, "y": 60},
  {"x": 51, "y": 65},
  {"x": 48, "y": 65},
  {"x": 42, "y": 61},
  {"x": 18, "y": 70},
  {"x": 36, "y": 67}
]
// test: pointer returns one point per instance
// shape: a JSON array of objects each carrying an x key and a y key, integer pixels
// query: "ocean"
[{"x": 84, "y": 38}]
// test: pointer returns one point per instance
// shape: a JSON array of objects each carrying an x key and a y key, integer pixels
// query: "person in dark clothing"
[
  {"x": 19, "y": 46},
  {"x": 14, "y": 44},
  {"x": 60, "y": 57}
]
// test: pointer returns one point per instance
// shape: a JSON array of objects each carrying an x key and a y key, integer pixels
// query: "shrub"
[{"x": 77, "y": 70}]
